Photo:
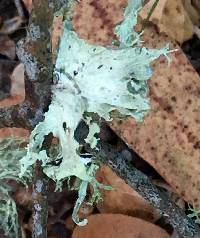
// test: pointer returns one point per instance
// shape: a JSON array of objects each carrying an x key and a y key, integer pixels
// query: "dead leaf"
[
  {"x": 175, "y": 234},
  {"x": 173, "y": 196},
  {"x": 23, "y": 197},
  {"x": 197, "y": 31},
  {"x": 17, "y": 91},
  {"x": 6, "y": 69},
  {"x": 7, "y": 47},
  {"x": 85, "y": 211},
  {"x": 118, "y": 226},
  {"x": 123, "y": 199},
  {"x": 56, "y": 33},
  {"x": 14, "y": 132},
  {"x": 193, "y": 9},
  {"x": 11, "y": 25},
  {"x": 168, "y": 139},
  {"x": 28, "y": 4},
  {"x": 96, "y": 26},
  {"x": 18, "y": 86},
  {"x": 169, "y": 136},
  {"x": 69, "y": 223},
  {"x": 171, "y": 17}
]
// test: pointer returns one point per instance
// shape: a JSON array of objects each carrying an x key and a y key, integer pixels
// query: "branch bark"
[
  {"x": 142, "y": 184},
  {"x": 40, "y": 203},
  {"x": 19, "y": 7},
  {"x": 36, "y": 54},
  {"x": 40, "y": 194}
]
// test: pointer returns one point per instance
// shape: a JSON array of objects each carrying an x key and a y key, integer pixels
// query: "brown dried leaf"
[
  {"x": 169, "y": 136},
  {"x": 69, "y": 223},
  {"x": 171, "y": 17},
  {"x": 193, "y": 9},
  {"x": 28, "y": 4},
  {"x": 123, "y": 199},
  {"x": 173, "y": 196},
  {"x": 17, "y": 79},
  {"x": 23, "y": 197},
  {"x": 175, "y": 235},
  {"x": 17, "y": 92},
  {"x": 56, "y": 33},
  {"x": 85, "y": 210},
  {"x": 118, "y": 226},
  {"x": 14, "y": 132},
  {"x": 96, "y": 26},
  {"x": 7, "y": 47},
  {"x": 6, "y": 68},
  {"x": 11, "y": 25}
]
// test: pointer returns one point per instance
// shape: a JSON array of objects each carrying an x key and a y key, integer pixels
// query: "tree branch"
[
  {"x": 35, "y": 53},
  {"x": 142, "y": 184},
  {"x": 19, "y": 7},
  {"x": 40, "y": 203},
  {"x": 29, "y": 113},
  {"x": 40, "y": 193}
]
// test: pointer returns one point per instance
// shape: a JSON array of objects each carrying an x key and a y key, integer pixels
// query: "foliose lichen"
[{"x": 92, "y": 79}]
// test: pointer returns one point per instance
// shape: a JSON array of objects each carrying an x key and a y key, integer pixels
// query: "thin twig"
[
  {"x": 150, "y": 14},
  {"x": 196, "y": 31},
  {"x": 40, "y": 203},
  {"x": 142, "y": 184},
  {"x": 40, "y": 194},
  {"x": 26, "y": 115},
  {"x": 19, "y": 7}
]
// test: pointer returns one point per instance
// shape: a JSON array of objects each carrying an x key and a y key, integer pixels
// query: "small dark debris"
[
  {"x": 75, "y": 73},
  {"x": 100, "y": 66}
]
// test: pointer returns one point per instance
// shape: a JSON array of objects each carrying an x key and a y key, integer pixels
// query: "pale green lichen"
[
  {"x": 8, "y": 213},
  {"x": 83, "y": 192},
  {"x": 194, "y": 214},
  {"x": 11, "y": 151},
  {"x": 93, "y": 130},
  {"x": 127, "y": 36},
  {"x": 92, "y": 79}
]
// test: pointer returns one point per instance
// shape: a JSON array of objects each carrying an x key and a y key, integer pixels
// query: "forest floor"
[{"x": 124, "y": 200}]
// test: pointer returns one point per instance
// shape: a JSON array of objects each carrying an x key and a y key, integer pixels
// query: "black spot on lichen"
[
  {"x": 100, "y": 66},
  {"x": 75, "y": 73}
]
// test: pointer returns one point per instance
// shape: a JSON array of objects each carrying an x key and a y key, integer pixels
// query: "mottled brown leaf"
[
  {"x": 56, "y": 33},
  {"x": 118, "y": 226},
  {"x": 14, "y": 132},
  {"x": 28, "y": 4},
  {"x": 96, "y": 26},
  {"x": 122, "y": 198},
  {"x": 171, "y": 17},
  {"x": 17, "y": 90},
  {"x": 11, "y": 25},
  {"x": 7, "y": 47},
  {"x": 169, "y": 136}
]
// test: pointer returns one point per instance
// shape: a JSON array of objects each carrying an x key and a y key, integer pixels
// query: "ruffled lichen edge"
[{"x": 79, "y": 89}]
